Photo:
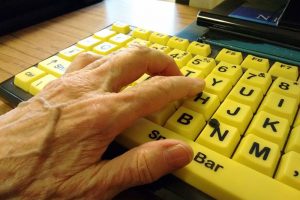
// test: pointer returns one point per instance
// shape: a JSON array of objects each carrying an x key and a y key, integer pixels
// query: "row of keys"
[
  {"x": 234, "y": 57},
  {"x": 216, "y": 174},
  {"x": 198, "y": 66},
  {"x": 260, "y": 146}
]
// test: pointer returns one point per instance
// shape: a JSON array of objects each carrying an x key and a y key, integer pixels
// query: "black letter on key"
[
  {"x": 280, "y": 103},
  {"x": 215, "y": 81},
  {"x": 200, "y": 157},
  {"x": 199, "y": 97},
  {"x": 185, "y": 119},
  {"x": 235, "y": 112},
  {"x": 219, "y": 134},
  {"x": 255, "y": 149},
  {"x": 272, "y": 124},
  {"x": 242, "y": 92}
]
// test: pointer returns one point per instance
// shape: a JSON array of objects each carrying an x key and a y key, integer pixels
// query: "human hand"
[{"x": 51, "y": 146}]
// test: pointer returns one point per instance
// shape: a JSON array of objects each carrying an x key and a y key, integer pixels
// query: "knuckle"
[{"x": 163, "y": 84}]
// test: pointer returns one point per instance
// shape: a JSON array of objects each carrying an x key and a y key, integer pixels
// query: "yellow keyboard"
[{"x": 244, "y": 127}]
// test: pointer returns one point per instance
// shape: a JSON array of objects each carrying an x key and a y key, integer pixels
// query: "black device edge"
[
  {"x": 278, "y": 36},
  {"x": 218, "y": 19},
  {"x": 46, "y": 11}
]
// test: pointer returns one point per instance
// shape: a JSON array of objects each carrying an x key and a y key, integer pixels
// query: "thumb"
[
  {"x": 145, "y": 164},
  {"x": 140, "y": 165}
]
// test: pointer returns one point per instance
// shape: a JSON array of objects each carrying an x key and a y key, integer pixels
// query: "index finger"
[{"x": 127, "y": 66}]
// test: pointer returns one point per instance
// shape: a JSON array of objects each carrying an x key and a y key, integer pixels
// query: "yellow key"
[
  {"x": 88, "y": 43},
  {"x": 235, "y": 114},
  {"x": 39, "y": 84},
  {"x": 257, "y": 63},
  {"x": 120, "y": 27},
  {"x": 193, "y": 73},
  {"x": 283, "y": 70},
  {"x": 180, "y": 57},
  {"x": 286, "y": 87},
  {"x": 289, "y": 170},
  {"x": 257, "y": 79},
  {"x": 178, "y": 43},
  {"x": 209, "y": 171},
  {"x": 230, "y": 56},
  {"x": 70, "y": 53},
  {"x": 186, "y": 122},
  {"x": 120, "y": 39},
  {"x": 247, "y": 94},
  {"x": 26, "y": 77},
  {"x": 159, "y": 38},
  {"x": 198, "y": 48},
  {"x": 202, "y": 63},
  {"x": 162, "y": 48},
  {"x": 163, "y": 115},
  {"x": 297, "y": 120},
  {"x": 204, "y": 103},
  {"x": 141, "y": 33},
  {"x": 217, "y": 85},
  {"x": 294, "y": 140},
  {"x": 54, "y": 65},
  {"x": 280, "y": 105},
  {"x": 222, "y": 139},
  {"x": 270, "y": 127},
  {"x": 104, "y": 34},
  {"x": 105, "y": 48},
  {"x": 258, "y": 154},
  {"x": 138, "y": 41},
  {"x": 231, "y": 71}
]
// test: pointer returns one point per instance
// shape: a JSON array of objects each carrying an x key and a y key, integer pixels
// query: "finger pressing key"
[
  {"x": 152, "y": 95},
  {"x": 82, "y": 60},
  {"x": 127, "y": 66}
]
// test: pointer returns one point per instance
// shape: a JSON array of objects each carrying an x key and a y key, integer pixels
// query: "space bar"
[{"x": 210, "y": 172}]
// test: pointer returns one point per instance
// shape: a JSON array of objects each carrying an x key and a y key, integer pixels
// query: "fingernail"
[{"x": 178, "y": 155}]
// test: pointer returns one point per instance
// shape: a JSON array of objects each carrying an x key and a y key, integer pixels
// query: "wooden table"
[{"x": 26, "y": 47}]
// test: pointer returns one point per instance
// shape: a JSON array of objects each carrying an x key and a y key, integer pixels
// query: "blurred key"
[
  {"x": 121, "y": 27},
  {"x": 257, "y": 63},
  {"x": 26, "y": 77},
  {"x": 229, "y": 56},
  {"x": 198, "y": 48},
  {"x": 178, "y": 43},
  {"x": 285, "y": 71}
]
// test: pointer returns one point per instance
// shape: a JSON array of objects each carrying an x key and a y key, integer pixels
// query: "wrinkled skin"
[{"x": 51, "y": 145}]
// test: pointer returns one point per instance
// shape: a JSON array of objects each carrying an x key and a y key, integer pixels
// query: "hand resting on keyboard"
[{"x": 51, "y": 144}]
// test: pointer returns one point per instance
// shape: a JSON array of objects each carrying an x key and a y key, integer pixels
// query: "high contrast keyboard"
[{"x": 244, "y": 127}]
